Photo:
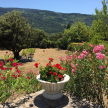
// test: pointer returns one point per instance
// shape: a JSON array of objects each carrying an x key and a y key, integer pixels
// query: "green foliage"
[
  {"x": 50, "y": 22},
  {"x": 62, "y": 43},
  {"x": 68, "y": 26},
  {"x": 77, "y": 33},
  {"x": 75, "y": 47},
  {"x": 43, "y": 43},
  {"x": 53, "y": 44},
  {"x": 28, "y": 51},
  {"x": 100, "y": 24},
  {"x": 39, "y": 37},
  {"x": 96, "y": 39}
]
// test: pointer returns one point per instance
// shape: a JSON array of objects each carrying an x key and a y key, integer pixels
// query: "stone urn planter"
[{"x": 53, "y": 90}]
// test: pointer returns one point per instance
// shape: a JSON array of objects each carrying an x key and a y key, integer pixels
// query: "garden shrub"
[
  {"x": 75, "y": 47},
  {"x": 28, "y": 51},
  {"x": 88, "y": 72}
]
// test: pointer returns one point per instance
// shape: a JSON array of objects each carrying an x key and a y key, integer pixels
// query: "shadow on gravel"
[
  {"x": 41, "y": 102},
  {"x": 22, "y": 60}
]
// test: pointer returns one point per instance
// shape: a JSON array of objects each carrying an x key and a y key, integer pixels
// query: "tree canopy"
[
  {"x": 100, "y": 24},
  {"x": 78, "y": 32},
  {"x": 14, "y": 32}
]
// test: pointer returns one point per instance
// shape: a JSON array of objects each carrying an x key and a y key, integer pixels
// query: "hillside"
[{"x": 49, "y": 21}]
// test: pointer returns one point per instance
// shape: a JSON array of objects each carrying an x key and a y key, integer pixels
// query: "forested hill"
[{"x": 50, "y": 22}]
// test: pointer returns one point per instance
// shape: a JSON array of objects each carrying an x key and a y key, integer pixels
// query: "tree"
[
  {"x": 78, "y": 32},
  {"x": 38, "y": 36},
  {"x": 14, "y": 32},
  {"x": 100, "y": 24},
  {"x": 68, "y": 26}
]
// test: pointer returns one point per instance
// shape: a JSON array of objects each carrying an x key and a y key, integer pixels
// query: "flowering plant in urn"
[{"x": 51, "y": 73}]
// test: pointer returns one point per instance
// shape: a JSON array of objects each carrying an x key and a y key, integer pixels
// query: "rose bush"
[
  {"x": 51, "y": 73},
  {"x": 88, "y": 71}
]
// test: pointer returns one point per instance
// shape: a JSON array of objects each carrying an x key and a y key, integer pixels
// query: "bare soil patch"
[{"x": 41, "y": 56}]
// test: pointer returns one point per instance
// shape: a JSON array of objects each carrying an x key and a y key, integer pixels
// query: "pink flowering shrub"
[
  {"x": 98, "y": 48},
  {"x": 88, "y": 70}
]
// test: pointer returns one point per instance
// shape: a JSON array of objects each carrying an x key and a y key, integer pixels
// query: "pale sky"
[{"x": 62, "y": 6}]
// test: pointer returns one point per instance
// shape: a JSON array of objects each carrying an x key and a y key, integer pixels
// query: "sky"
[{"x": 61, "y": 6}]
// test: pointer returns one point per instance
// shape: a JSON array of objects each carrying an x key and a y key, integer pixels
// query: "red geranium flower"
[
  {"x": 15, "y": 77},
  {"x": 60, "y": 76},
  {"x": 4, "y": 78},
  {"x": 19, "y": 75},
  {"x": 11, "y": 59},
  {"x": 19, "y": 64},
  {"x": 56, "y": 78},
  {"x": 16, "y": 67},
  {"x": 50, "y": 72},
  {"x": 18, "y": 70},
  {"x": 53, "y": 65},
  {"x": 1, "y": 63},
  {"x": 54, "y": 73},
  {"x": 51, "y": 59},
  {"x": 5, "y": 60},
  {"x": 36, "y": 65},
  {"x": 3, "y": 68},
  {"x": 59, "y": 67},
  {"x": 28, "y": 77},
  {"x": 10, "y": 68},
  {"x": 14, "y": 64},
  {"x": 48, "y": 64},
  {"x": 64, "y": 69}
]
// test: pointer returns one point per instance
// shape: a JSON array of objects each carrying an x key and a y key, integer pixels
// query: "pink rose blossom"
[
  {"x": 92, "y": 45},
  {"x": 71, "y": 64},
  {"x": 73, "y": 70},
  {"x": 60, "y": 58},
  {"x": 98, "y": 48},
  {"x": 85, "y": 52},
  {"x": 75, "y": 56},
  {"x": 81, "y": 56},
  {"x": 67, "y": 56},
  {"x": 89, "y": 55},
  {"x": 100, "y": 56},
  {"x": 76, "y": 52},
  {"x": 69, "y": 59},
  {"x": 70, "y": 55},
  {"x": 104, "y": 67},
  {"x": 100, "y": 67}
]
